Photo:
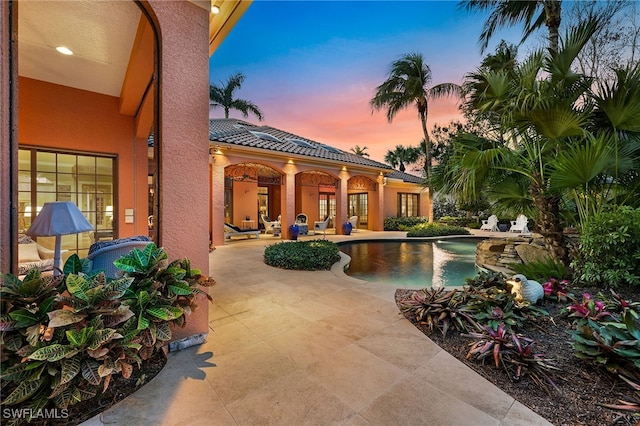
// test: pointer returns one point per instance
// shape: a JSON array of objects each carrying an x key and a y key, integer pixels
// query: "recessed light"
[
  {"x": 215, "y": 9},
  {"x": 64, "y": 50}
]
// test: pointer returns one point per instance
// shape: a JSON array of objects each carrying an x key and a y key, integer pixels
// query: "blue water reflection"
[{"x": 413, "y": 263}]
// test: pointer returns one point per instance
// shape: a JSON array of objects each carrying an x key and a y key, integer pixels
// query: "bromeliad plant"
[
  {"x": 555, "y": 289},
  {"x": 612, "y": 344},
  {"x": 437, "y": 308},
  {"x": 588, "y": 309},
  {"x": 515, "y": 353}
]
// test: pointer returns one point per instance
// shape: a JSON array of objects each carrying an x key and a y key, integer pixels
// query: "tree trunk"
[
  {"x": 552, "y": 10},
  {"x": 427, "y": 159},
  {"x": 549, "y": 224}
]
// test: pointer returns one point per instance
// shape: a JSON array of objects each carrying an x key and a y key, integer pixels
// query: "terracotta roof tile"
[{"x": 238, "y": 132}]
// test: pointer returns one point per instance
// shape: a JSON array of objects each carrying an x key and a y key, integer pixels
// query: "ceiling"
[{"x": 101, "y": 46}]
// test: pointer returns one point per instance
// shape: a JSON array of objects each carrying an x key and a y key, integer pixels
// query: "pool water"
[{"x": 413, "y": 263}]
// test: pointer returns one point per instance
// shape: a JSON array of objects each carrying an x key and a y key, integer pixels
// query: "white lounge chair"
[
  {"x": 268, "y": 224},
  {"x": 321, "y": 226},
  {"x": 354, "y": 223},
  {"x": 491, "y": 224},
  {"x": 520, "y": 224},
  {"x": 234, "y": 231}
]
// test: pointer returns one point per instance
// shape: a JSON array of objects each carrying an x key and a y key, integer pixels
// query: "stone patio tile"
[
  {"x": 354, "y": 325},
  {"x": 269, "y": 321},
  {"x": 293, "y": 399},
  {"x": 448, "y": 374},
  {"x": 414, "y": 402},
  {"x": 356, "y": 376},
  {"x": 401, "y": 345},
  {"x": 229, "y": 337},
  {"x": 308, "y": 342},
  {"x": 240, "y": 372}
]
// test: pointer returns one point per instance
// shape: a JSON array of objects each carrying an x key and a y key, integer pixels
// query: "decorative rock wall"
[{"x": 500, "y": 253}]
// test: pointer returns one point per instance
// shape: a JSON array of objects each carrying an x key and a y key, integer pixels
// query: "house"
[
  {"x": 260, "y": 170},
  {"x": 77, "y": 126}
]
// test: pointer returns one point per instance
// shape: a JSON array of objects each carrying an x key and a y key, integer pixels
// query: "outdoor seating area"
[
  {"x": 103, "y": 253},
  {"x": 520, "y": 224},
  {"x": 303, "y": 224},
  {"x": 491, "y": 224},
  {"x": 269, "y": 224}
]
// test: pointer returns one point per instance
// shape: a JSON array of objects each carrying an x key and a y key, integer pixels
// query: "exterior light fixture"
[
  {"x": 64, "y": 50},
  {"x": 215, "y": 9}
]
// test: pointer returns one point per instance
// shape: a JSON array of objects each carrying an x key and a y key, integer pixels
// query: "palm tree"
[
  {"x": 532, "y": 13},
  {"x": 563, "y": 140},
  {"x": 400, "y": 156},
  {"x": 360, "y": 151},
  {"x": 407, "y": 85},
  {"x": 223, "y": 96}
]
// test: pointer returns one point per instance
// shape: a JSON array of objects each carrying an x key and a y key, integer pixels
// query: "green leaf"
[
  {"x": 90, "y": 372},
  {"x": 143, "y": 323},
  {"x": 12, "y": 341},
  {"x": 23, "y": 392},
  {"x": 77, "y": 286},
  {"x": 53, "y": 352},
  {"x": 163, "y": 331},
  {"x": 70, "y": 368},
  {"x": 103, "y": 336},
  {"x": 180, "y": 288},
  {"x": 63, "y": 317},
  {"x": 23, "y": 318},
  {"x": 79, "y": 338},
  {"x": 73, "y": 265}
]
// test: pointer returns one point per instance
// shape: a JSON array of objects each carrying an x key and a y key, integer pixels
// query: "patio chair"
[
  {"x": 520, "y": 224},
  {"x": 321, "y": 226},
  {"x": 354, "y": 223},
  {"x": 303, "y": 223},
  {"x": 233, "y": 231},
  {"x": 491, "y": 224},
  {"x": 268, "y": 224},
  {"x": 102, "y": 254}
]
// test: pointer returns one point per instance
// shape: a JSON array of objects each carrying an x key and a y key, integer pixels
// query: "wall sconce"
[{"x": 215, "y": 9}]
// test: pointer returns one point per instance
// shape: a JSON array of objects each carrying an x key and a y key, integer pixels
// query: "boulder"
[{"x": 532, "y": 253}]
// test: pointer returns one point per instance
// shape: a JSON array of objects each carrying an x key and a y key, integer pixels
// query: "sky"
[{"x": 313, "y": 66}]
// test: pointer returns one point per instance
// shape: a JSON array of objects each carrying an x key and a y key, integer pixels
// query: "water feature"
[{"x": 446, "y": 262}]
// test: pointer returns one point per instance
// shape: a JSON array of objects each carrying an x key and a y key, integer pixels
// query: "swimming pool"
[{"x": 446, "y": 262}]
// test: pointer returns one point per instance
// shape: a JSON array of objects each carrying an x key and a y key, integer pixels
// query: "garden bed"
[{"x": 583, "y": 385}]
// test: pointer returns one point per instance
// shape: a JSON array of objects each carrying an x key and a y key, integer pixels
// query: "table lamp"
[{"x": 56, "y": 219}]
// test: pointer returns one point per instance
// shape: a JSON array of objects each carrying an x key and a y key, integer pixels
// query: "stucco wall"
[
  {"x": 66, "y": 118},
  {"x": 391, "y": 198},
  {"x": 183, "y": 134}
]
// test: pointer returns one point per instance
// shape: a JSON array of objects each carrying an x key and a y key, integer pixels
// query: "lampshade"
[{"x": 59, "y": 218}]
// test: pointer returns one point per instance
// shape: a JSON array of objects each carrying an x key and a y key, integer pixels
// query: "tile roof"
[
  {"x": 405, "y": 177},
  {"x": 242, "y": 133}
]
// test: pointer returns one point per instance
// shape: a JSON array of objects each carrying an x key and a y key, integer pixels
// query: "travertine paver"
[{"x": 311, "y": 348}]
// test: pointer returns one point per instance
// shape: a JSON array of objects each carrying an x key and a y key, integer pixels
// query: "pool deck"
[{"x": 311, "y": 348}]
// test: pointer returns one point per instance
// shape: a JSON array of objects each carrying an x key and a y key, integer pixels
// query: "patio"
[{"x": 311, "y": 348}]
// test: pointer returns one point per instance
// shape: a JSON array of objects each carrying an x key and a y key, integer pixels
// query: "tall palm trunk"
[
  {"x": 422, "y": 110},
  {"x": 549, "y": 223},
  {"x": 552, "y": 11}
]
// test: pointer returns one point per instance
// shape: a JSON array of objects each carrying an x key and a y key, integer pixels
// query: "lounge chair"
[
  {"x": 520, "y": 224},
  {"x": 354, "y": 223},
  {"x": 491, "y": 224},
  {"x": 321, "y": 226},
  {"x": 233, "y": 231},
  {"x": 268, "y": 224},
  {"x": 303, "y": 223}
]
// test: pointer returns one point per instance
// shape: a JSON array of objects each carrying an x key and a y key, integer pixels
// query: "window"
[
  {"x": 359, "y": 206},
  {"x": 85, "y": 179},
  {"x": 326, "y": 206},
  {"x": 408, "y": 205}
]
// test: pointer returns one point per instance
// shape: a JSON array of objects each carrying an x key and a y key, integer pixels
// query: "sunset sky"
[{"x": 313, "y": 66}]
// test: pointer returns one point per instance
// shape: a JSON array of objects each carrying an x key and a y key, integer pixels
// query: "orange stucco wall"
[
  {"x": 391, "y": 198},
  {"x": 71, "y": 119}
]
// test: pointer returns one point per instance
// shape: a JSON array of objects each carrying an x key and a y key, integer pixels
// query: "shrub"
[
  {"x": 64, "y": 338},
  {"x": 402, "y": 223},
  {"x": 310, "y": 255},
  {"x": 454, "y": 221},
  {"x": 609, "y": 252},
  {"x": 542, "y": 270},
  {"x": 435, "y": 230}
]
